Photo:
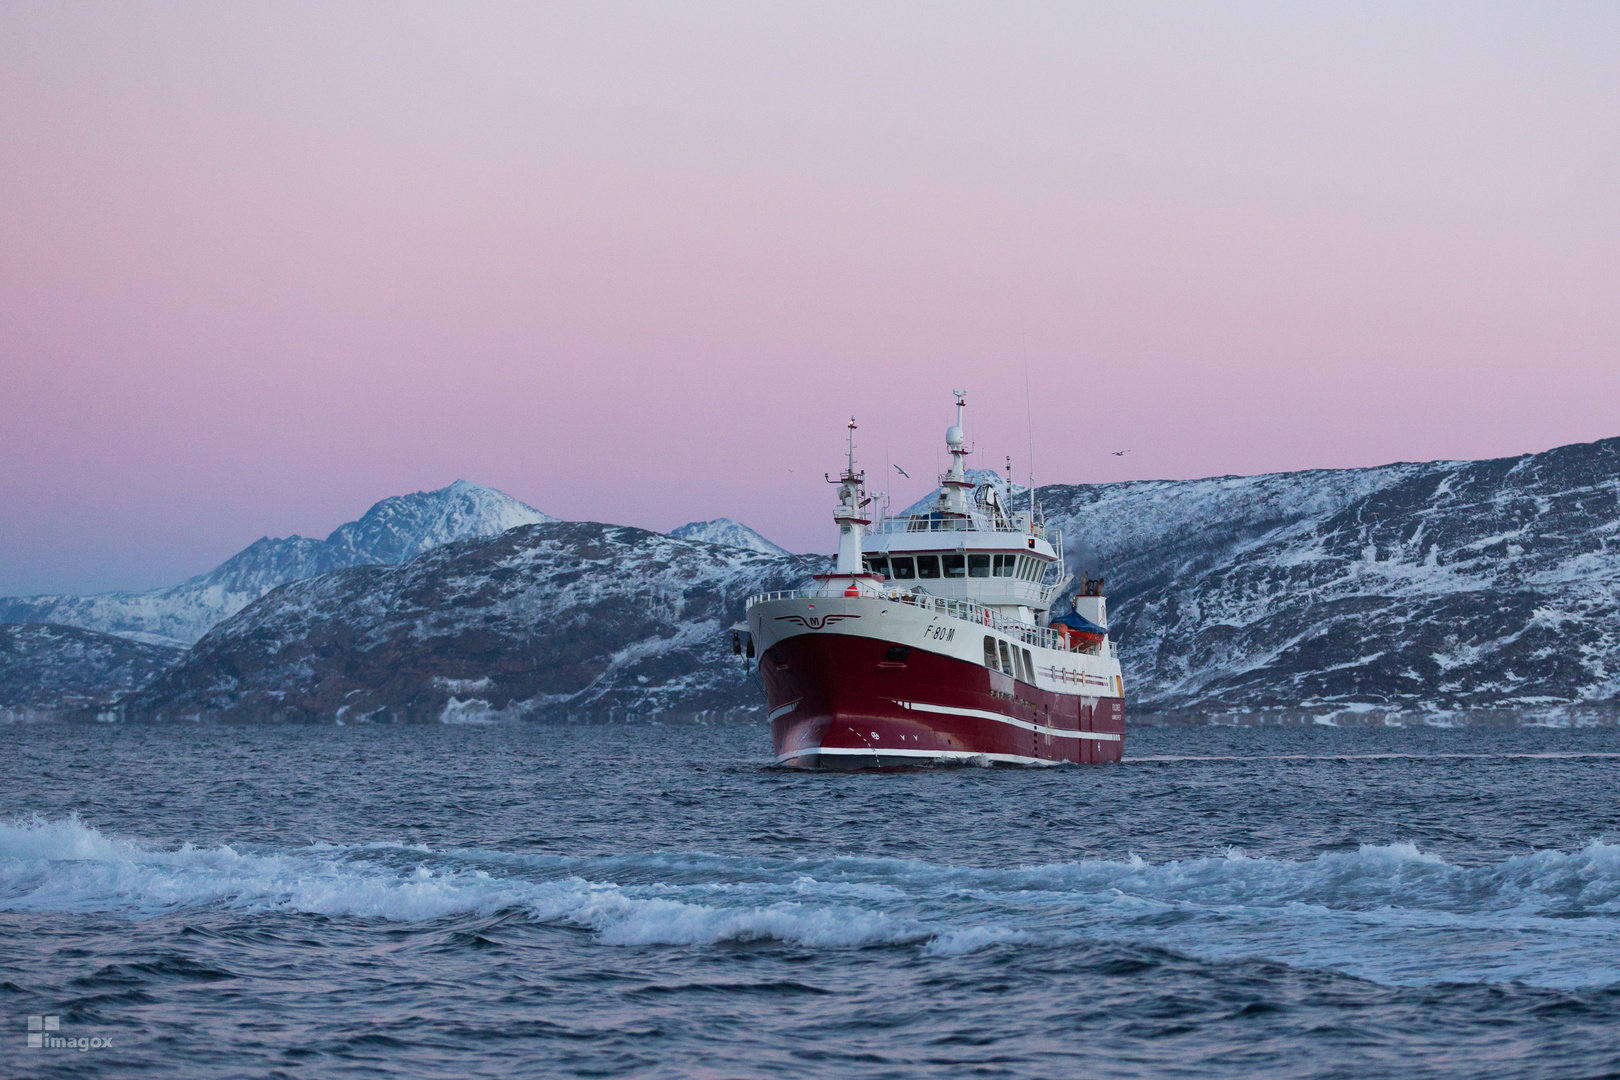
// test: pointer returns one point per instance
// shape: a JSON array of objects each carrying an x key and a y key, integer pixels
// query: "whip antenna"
[{"x": 1029, "y": 419}]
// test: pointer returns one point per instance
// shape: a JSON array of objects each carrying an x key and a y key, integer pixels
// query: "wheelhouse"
[{"x": 969, "y": 544}]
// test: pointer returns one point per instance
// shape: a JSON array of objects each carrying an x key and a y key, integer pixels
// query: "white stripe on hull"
[
  {"x": 958, "y": 756},
  {"x": 783, "y": 710},
  {"x": 982, "y": 714}
]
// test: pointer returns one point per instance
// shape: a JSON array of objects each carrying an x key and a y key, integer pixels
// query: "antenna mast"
[
  {"x": 849, "y": 517},
  {"x": 1029, "y": 420}
]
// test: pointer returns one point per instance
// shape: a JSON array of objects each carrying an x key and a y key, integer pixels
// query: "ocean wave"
[
  {"x": 1388, "y": 912},
  {"x": 67, "y": 866}
]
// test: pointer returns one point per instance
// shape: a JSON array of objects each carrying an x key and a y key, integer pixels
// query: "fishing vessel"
[{"x": 931, "y": 640}]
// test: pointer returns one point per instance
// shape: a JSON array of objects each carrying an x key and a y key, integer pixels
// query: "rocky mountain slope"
[
  {"x": 392, "y": 531},
  {"x": 729, "y": 533},
  {"x": 547, "y": 621},
  {"x": 1430, "y": 587},
  {"x": 65, "y": 669}
]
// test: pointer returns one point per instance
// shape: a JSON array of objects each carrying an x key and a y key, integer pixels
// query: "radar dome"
[{"x": 953, "y": 435}]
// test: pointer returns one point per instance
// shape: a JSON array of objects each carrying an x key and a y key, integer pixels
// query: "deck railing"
[
  {"x": 966, "y": 610},
  {"x": 951, "y": 523}
]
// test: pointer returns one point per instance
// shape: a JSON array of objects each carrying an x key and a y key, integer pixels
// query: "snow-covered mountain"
[
  {"x": 569, "y": 619},
  {"x": 1431, "y": 588},
  {"x": 1409, "y": 588},
  {"x": 392, "y": 531},
  {"x": 64, "y": 668},
  {"x": 1436, "y": 587},
  {"x": 728, "y": 532}
]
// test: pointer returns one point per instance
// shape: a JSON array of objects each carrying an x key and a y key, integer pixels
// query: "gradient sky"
[{"x": 262, "y": 265}]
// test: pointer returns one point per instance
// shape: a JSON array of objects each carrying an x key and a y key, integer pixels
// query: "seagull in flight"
[
  {"x": 902, "y": 472},
  {"x": 1120, "y": 453}
]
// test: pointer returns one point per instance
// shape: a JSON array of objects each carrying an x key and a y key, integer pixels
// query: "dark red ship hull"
[{"x": 838, "y": 701}]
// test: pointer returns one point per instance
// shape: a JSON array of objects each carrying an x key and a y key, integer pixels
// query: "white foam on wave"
[
  {"x": 67, "y": 866},
  {"x": 1388, "y": 912},
  {"x": 1373, "y": 876},
  {"x": 973, "y": 938},
  {"x": 621, "y": 919}
]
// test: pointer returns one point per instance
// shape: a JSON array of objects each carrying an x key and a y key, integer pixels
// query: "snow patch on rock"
[{"x": 728, "y": 533}]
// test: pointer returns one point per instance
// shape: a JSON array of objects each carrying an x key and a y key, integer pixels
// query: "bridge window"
[
  {"x": 878, "y": 565},
  {"x": 978, "y": 566},
  {"x": 953, "y": 565},
  {"x": 1005, "y": 565},
  {"x": 990, "y": 652},
  {"x": 902, "y": 568},
  {"x": 928, "y": 566}
]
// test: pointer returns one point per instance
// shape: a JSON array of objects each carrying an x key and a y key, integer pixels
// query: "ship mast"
[
  {"x": 849, "y": 515},
  {"x": 954, "y": 485}
]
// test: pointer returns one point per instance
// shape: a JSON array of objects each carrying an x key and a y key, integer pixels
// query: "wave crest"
[{"x": 1390, "y": 912}]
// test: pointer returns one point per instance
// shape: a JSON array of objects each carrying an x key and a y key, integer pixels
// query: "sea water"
[{"x": 645, "y": 900}]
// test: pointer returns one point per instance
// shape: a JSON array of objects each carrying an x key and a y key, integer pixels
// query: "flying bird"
[
  {"x": 1120, "y": 453},
  {"x": 902, "y": 472}
]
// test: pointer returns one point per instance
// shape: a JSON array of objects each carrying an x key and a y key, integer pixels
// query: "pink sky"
[{"x": 261, "y": 266}]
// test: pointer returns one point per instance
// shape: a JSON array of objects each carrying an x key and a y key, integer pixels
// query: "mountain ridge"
[
  {"x": 1413, "y": 587},
  {"x": 1415, "y": 590},
  {"x": 392, "y": 530},
  {"x": 728, "y": 532},
  {"x": 547, "y": 621}
]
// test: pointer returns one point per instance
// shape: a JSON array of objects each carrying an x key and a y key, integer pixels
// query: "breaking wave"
[{"x": 1390, "y": 913}]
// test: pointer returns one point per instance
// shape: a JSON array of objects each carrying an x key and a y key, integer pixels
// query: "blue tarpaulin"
[{"x": 1075, "y": 621}]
